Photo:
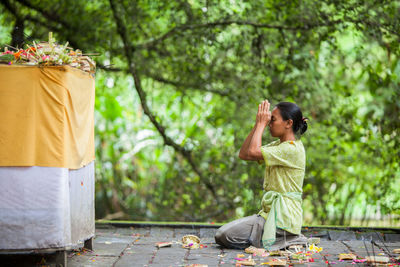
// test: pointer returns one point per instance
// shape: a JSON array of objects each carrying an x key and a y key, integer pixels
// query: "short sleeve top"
[
  {"x": 285, "y": 166},
  {"x": 284, "y": 173}
]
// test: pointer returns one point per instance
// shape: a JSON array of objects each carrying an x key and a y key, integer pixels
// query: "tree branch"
[
  {"x": 142, "y": 95},
  {"x": 108, "y": 68},
  {"x": 179, "y": 29},
  {"x": 10, "y": 8},
  {"x": 48, "y": 15},
  {"x": 18, "y": 30},
  {"x": 178, "y": 85},
  {"x": 42, "y": 23}
]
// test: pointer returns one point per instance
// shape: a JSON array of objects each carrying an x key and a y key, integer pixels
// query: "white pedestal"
[{"x": 45, "y": 207}]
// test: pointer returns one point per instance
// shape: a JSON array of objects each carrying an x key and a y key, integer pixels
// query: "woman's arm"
[
  {"x": 254, "y": 152},
  {"x": 251, "y": 148},
  {"x": 245, "y": 147}
]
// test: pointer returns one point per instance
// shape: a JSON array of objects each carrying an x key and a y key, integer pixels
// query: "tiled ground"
[{"x": 135, "y": 246}]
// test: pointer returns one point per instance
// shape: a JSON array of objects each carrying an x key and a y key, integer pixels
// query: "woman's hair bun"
[{"x": 303, "y": 125}]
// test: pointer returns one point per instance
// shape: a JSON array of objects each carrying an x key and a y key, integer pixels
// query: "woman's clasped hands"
[{"x": 263, "y": 114}]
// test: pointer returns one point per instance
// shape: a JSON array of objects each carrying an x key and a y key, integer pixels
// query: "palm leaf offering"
[{"x": 48, "y": 54}]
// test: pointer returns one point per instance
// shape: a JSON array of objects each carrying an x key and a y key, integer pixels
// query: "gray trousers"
[
  {"x": 241, "y": 233},
  {"x": 248, "y": 231}
]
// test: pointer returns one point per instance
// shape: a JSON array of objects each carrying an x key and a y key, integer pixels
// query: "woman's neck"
[{"x": 288, "y": 137}]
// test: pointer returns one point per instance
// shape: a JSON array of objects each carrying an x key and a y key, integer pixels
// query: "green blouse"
[{"x": 283, "y": 182}]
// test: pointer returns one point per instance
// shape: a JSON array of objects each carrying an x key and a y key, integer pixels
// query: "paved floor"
[{"x": 135, "y": 246}]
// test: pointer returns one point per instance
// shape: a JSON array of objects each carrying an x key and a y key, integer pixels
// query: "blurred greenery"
[{"x": 177, "y": 89}]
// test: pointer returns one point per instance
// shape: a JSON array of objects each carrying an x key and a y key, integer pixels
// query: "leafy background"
[{"x": 177, "y": 89}]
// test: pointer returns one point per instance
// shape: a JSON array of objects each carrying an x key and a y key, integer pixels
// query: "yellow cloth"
[
  {"x": 46, "y": 116},
  {"x": 284, "y": 175}
]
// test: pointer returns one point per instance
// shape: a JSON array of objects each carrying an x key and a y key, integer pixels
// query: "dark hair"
[{"x": 290, "y": 111}]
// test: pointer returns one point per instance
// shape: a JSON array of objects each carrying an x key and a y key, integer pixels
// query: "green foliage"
[{"x": 205, "y": 66}]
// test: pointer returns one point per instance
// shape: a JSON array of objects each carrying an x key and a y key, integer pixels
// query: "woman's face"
[{"x": 277, "y": 126}]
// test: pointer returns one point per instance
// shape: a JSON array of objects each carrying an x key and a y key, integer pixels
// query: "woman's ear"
[{"x": 289, "y": 124}]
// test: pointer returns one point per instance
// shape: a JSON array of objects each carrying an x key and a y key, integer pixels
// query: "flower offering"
[{"x": 48, "y": 54}]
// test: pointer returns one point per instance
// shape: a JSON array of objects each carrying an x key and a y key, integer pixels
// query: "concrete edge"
[{"x": 305, "y": 228}]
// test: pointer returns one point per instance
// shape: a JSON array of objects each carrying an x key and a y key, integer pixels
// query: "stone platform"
[{"x": 133, "y": 244}]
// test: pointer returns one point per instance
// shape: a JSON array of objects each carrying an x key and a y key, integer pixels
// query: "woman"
[{"x": 279, "y": 222}]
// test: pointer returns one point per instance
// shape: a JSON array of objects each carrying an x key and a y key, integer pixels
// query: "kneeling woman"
[{"x": 279, "y": 222}]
